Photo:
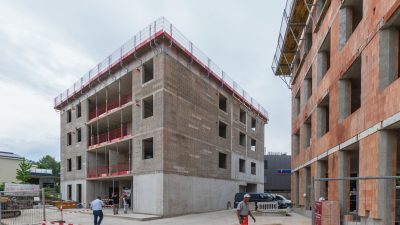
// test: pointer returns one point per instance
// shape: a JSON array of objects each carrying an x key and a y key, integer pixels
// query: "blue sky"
[{"x": 47, "y": 45}]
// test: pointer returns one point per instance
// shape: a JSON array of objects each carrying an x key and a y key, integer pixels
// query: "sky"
[{"x": 47, "y": 45}]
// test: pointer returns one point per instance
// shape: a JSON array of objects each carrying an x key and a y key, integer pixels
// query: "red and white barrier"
[{"x": 57, "y": 223}]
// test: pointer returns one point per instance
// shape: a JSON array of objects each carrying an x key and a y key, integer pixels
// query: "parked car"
[
  {"x": 258, "y": 197},
  {"x": 283, "y": 200}
]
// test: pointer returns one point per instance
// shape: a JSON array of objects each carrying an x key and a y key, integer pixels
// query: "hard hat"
[{"x": 246, "y": 196}]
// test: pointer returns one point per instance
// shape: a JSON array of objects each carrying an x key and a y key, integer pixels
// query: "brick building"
[
  {"x": 341, "y": 60},
  {"x": 158, "y": 119}
]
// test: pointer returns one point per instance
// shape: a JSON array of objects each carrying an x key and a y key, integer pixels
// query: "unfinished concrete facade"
[
  {"x": 348, "y": 125},
  {"x": 163, "y": 127}
]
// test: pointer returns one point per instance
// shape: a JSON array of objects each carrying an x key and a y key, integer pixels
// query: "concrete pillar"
[
  {"x": 343, "y": 185},
  {"x": 322, "y": 65},
  {"x": 388, "y": 56},
  {"x": 344, "y": 99},
  {"x": 320, "y": 189},
  {"x": 345, "y": 25},
  {"x": 307, "y": 183},
  {"x": 386, "y": 187},
  {"x": 296, "y": 188}
]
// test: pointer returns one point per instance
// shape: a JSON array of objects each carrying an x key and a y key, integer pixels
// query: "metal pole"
[
  {"x": 312, "y": 200},
  {"x": 44, "y": 205}
]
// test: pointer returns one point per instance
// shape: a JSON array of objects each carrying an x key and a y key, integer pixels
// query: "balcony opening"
[
  {"x": 253, "y": 124},
  {"x": 253, "y": 168},
  {"x": 69, "y": 165},
  {"x": 78, "y": 110},
  {"x": 296, "y": 143},
  {"x": 350, "y": 90},
  {"x": 69, "y": 116},
  {"x": 79, "y": 162},
  {"x": 147, "y": 107},
  {"x": 323, "y": 116},
  {"x": 389, "y": 53},
  {"x": 222, "y": 160},
  {"x": 242, "y": 116},
  {"x": 242, "y": 165},
  {"x": 69, "y": 139},
  {"x": 79, "y": 135},
  {"x": 222, "y": 102},
  {"x": 148, "y": 148},
  {"x": 222, "y": 129},
  {"x": 307, "y": 133},
  {"x": 252, "y": 144},
  {"x": 242, "y": 139},
  {"x": 350, "y": 15},
  {"x": 148, "y": 71},
  {"x": 324, "y": 58}
]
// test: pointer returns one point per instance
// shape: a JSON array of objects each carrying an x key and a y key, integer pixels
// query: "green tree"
[
  {"x": 23, "y": 174},
  {"x": 48, "y": 162}
]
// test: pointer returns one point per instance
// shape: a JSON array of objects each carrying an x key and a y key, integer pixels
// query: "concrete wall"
[
  {"x": 86, "y": 198},
  {"x": 8, "y": 168},
  {"x": 148, "y": 193},
  {"x": 188, "y": 194}
]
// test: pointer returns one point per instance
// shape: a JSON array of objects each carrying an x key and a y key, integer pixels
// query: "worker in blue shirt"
[{"x": 97, "y": 207}]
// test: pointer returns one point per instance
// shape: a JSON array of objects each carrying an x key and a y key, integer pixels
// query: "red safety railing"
[
  {"x": 108, "y": 136},
  {"x": 112, "y": 104},
  {"x": 104, "y": 171}
]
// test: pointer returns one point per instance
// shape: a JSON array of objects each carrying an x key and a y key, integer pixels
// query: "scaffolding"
[
  {"x": 161, "y": 28},
  {"x": 297, "y": 16}
]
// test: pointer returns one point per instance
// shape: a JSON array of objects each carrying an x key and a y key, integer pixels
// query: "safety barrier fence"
[
  {"x": 110, "y": 105},
  {"x": 144, "y": 37},
  {"x": 108, "y": 136},
  {"x": 121, "y": 168}
]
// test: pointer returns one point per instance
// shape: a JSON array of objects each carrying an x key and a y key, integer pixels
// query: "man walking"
[
  {"x": 115, "y": 200},
  {"x": 125, "y": 203},
  {"x": 97, "y": 207},
  {"x": 243, "y": 211}
]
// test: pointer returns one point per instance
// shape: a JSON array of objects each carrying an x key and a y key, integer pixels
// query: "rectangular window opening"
[
  {"x": 69, "y": 165},
  {"x": 222, "y": 129},
  {"x": 69, "y": 192},
  {"x": 252, "y": 144},
  {"x": 253, "y": 124},
  {"x": 242, "y": 165},
  {"x": 222, "y": 160},
  {"x": 350, "y": 90},
  {"x": 242, "y": 139},
  {"x": 323, "y": 116},
  {"x": 79, "y": 162},
  {"x": 296, "y": 104},
  {"x": 242, "y": 116},
  {"x": 307, "y": 87},
  {"x": 69, "y": 116},
  {"x": 223, "y": 102},
  {"x": 148, "y": 71},
  {"x": 79, "y": 135},
  {"x": 253, "y": 168},
  {"x": 307, "y": 132},
  {"x": 148, "y": 148},
  {"x": 324, "y": 58},
  {"x": 147, "y": 107},
  {"x": 350, "y": 15},
  {"x": 78, "y": 110},
  {"x": 69, "y": 139}
]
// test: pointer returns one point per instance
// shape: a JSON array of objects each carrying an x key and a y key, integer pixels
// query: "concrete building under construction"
[
  {"x": 157, "y": 119},
  {"x": 340, "y": 58}
]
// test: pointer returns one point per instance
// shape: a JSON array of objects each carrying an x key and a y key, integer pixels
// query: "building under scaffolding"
[
  {"x": 341, "y": 61},
  {"x": 159, "y": 121}
]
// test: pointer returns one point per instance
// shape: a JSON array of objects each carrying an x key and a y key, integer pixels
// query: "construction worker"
[
  {"x": 97, "y": 207},
  {"x": 243, "y": 211},
  {"x": 115, "y": 200}
]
